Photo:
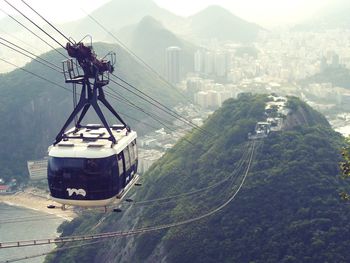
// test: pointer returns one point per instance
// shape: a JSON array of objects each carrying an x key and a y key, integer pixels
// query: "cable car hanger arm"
[{"x": 91, "y": 93}]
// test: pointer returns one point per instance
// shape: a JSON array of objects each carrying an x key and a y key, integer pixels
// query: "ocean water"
[{"x": 22, "y": 224}]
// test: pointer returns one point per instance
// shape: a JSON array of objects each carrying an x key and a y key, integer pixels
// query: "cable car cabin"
[{"x": 87, "y": 170}]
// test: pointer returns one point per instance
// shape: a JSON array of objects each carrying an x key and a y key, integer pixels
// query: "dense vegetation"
[
  {"x": 176, "y": 173},
  {"x": 345, "y": 167},
  {"x": 288, "y": 210},
  {"x": 32, "y": 110}
]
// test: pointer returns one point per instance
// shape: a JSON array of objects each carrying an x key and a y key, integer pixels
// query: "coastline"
[{"x": 35, "y": 199}]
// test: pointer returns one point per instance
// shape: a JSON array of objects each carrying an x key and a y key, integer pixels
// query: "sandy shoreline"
[{"x": 38, "y": 200}]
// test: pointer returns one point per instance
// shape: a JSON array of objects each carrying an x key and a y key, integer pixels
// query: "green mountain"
[
  {"x": 287, "y": 211},
  {"x": 32, "y": 111},
  {"x": 217, "y": 22},
  {"x": 149, "y": 39}
]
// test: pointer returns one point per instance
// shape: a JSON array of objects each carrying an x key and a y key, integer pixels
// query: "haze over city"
[{"x": 268, "y": 13}]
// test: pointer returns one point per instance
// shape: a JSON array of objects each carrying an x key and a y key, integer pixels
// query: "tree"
[{"x": 345, "y": 167}]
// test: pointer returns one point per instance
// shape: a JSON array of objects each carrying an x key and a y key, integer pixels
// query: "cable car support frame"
[{"x": 98, "y": 71}]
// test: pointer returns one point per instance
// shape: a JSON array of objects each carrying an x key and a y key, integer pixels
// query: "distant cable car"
[{"x": 91, "y": 165}]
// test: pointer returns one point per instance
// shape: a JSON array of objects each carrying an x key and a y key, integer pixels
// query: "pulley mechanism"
[{"x": 92, "y": 74}]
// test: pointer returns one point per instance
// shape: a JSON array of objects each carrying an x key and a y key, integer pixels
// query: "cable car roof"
[{"x": 92, "y": 142}]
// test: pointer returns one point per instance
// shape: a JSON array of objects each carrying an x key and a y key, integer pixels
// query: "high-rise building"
[
  {"x": 194, "y": 84},
  {"x": 323, "y": 63},
  {"x": 213, "y": 99},
  {"x": 221, "y": 64},
  {"x": 173, "y": 64},
  {"x": 209, "y": 63},
  {"x": 335, "y": 60},
  {"x": 198, "y": 61},
  {"x": 201, "y": 99}
]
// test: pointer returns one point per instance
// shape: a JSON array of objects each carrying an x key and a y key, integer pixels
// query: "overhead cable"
[
  {"x": 31, "y": 31},
  {"x": 57, "y": 30},
  {"x": 35, "y": 24}
]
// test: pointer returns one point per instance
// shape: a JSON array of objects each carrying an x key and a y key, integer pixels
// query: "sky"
[{"x": 264, "y": 12}]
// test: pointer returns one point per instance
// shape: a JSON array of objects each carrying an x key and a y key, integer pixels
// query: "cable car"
[
  {"x": 91, "y": 165},
  {"x": 87, "y": 171}
]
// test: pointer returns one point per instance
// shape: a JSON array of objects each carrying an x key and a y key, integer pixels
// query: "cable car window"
[
  {"x": 120, "y": 164},
  {"x": 134, "y": 146},
  {"x": 132, "y": 154},
  {"x": 80, "y": 167},
  {"x": 127, "y": 158},
  {"x": 69, "y": 163},
  {"x": 93, "y": 166}
]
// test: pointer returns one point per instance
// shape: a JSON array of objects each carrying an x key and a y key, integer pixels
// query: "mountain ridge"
[{"x": 115, "y": 15}]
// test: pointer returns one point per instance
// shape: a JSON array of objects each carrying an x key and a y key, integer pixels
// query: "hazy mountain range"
[
  {"x": 146, "y": 29},
  {"x": 117, "y": 14},
  {"x": 213, "y": 22}
]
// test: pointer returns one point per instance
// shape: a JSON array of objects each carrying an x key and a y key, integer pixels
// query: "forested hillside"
[
  {"x": 33, "y": 110},
  {"x": 288, "y": 210}
]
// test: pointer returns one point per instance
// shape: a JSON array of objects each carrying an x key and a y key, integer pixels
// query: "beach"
[
  {"x": 19, "y": 223},
  {"x": 38, "y": 200},
  {"x": 24, "y": 215}
]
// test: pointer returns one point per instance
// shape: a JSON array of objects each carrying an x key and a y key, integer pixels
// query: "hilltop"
[{"x": 287, "y": 211}]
